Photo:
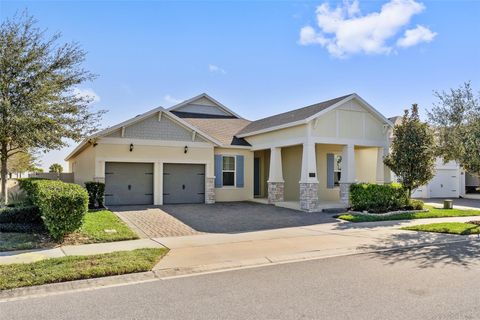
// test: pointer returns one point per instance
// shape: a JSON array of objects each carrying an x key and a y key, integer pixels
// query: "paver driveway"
[
  {"x": 152, "y": 222},
  {"x": 227, "y": 217}
]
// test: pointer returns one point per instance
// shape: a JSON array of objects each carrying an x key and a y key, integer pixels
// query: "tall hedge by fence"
[
  {"x": 378, "y": 198},
  {"x": 62, "y": 205}
]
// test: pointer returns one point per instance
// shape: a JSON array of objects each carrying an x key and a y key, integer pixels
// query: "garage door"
[
  {"x": 128, "y": 183},
  {"x": 444, "y": 184},
  {"x": 183, "y": 183}
]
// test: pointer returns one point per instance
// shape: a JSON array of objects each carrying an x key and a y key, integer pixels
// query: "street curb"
[{"x": 75, "y": 286}]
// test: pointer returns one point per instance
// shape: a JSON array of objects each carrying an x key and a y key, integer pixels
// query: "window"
[
  {"x": 337, "y": 170},
  {"x": 228, "y": 170}
]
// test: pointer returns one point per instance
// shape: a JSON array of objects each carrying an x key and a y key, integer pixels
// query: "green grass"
[
  {"x": 78, "y": 267},
  {"x": 432, "y": 213},
  {"x": 95, "y": 224},
  {"x": 19, "y": 241},
  {"x": 447, "y": 227}
]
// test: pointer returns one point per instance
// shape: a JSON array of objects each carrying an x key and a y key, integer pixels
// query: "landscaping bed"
[
  {"x": 431, "y": 213},
  {"x": 78, "y": 267},
  {"x": 460, "y": 228}
]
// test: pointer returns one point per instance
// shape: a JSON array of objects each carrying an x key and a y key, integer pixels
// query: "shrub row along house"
[{"x": 200, "y": 151}]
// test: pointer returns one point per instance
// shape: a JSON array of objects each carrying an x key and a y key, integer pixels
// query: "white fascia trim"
[
  {"x": 204, "y": 95},
  {"x": 77, "y": 148},
  {"x": 282, "y": 126},
  {"x": 149, "y": 142},
  {"x": 234, "y": 147}
]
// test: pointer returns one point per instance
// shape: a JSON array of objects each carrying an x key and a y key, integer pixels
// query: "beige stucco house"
[{"x": 200, "y": 151}]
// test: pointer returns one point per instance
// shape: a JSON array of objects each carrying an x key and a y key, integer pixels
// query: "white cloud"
[
  {"x": 345, "y": 31},
  {"x": 415, "y": 36},
  {"x": 87, "y": 94},
  {"x": 214, "y": 68},
  {"x": 168, "y": 98}
]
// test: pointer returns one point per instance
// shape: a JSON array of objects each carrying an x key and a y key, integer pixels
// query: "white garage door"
[{"x": 444, "y": 184}]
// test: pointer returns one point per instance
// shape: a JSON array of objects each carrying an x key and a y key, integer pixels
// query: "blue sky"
[{"x": 262, "y": 58}]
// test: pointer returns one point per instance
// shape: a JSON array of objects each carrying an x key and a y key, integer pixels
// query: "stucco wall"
[
  {"x": 366, "y": 164},
  {"x": 83, "y": 166},
  {"x": 233, "y": 193},
  {"x": 291, "y": 168}
]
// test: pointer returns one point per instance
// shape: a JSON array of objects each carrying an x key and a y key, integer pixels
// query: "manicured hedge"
[
  {"x": 62, "y": 205},
  {"x": 22, "y": 214},
  {"x": 96, "y": 192},
  {"x": 378, "y": 198}
]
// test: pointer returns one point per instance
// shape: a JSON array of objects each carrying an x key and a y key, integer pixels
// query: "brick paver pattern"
[{"x": 154, "y": 222}]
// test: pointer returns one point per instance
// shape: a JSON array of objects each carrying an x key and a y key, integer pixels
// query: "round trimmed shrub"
[
  {"x": 62, "y": 205},
  {"x": 378, "y": 198}
]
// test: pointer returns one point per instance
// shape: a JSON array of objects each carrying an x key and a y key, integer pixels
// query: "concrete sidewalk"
[
  {"x": 203, "y": 253},
  {"x": 206, "y": 252}
]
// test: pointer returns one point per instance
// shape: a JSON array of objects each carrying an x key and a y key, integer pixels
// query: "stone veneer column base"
[
  {"x": 345, "y": 193},
  {"x": 308, "y": 196},
  {"x": 276, "y": 191},
  {"x": 209, "y": 190}
]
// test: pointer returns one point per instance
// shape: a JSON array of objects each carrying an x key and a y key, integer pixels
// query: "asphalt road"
[{"x": 441, "y": 282}]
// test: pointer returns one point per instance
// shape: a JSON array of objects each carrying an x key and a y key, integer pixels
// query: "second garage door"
[{"x": 183, "y": 183}]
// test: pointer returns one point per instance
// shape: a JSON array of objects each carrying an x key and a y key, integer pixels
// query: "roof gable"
[
  {"x": 307, "y": 114},
  {"x": 203, "y": 104}
]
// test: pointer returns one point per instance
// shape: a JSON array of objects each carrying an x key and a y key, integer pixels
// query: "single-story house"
[
  {"x": 450, "y": 180},
  {"x": 200, "y": 151}
]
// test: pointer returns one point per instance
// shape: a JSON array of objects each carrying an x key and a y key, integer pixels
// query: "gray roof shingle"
[{"x": 289, "y": 117}]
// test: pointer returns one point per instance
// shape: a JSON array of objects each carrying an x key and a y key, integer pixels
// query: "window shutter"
[
  {"x": 330, "y": 170},
  {"x": 240, "y": 171},
  {"x": 218, "y": 171}
]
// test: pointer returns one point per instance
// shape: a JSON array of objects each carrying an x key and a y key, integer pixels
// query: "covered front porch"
[{"x": 315, "y": 176}]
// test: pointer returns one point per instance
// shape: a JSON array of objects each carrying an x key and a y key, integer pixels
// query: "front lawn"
[
  {"x": 21, "y": 241},
  {"x": 98, "y": 226},
  {"x": 447, "y": 227},
  {"x": 101, "y": 226},
  {"x": 78, "y": 267},
  {"x": 432, "y": 213}
]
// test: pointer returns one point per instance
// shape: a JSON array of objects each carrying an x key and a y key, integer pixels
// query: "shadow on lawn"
[{"x": 427, "y": 250}]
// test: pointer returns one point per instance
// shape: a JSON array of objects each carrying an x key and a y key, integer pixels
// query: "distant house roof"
[
  {"x": 222, "y": 129},
  {"x": 289, "y": 117},
  {"x": 396, "y": 120}
]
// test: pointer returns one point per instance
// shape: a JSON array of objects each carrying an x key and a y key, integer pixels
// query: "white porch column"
[
  {"x": 309, "y": 180},
  {"x": 275, "y": 181},
  {"x": 348, "y": 173}
]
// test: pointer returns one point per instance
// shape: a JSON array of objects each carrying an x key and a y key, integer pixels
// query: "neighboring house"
[
  {"x": 200, "y": 151},
  {"x": 450, "y": 180}
]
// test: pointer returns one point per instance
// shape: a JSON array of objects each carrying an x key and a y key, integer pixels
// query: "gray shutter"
[
  {"x": 218, "y": 171},
  {"x": 240, "y": 171},
  {"x": 330, "y": 172}
]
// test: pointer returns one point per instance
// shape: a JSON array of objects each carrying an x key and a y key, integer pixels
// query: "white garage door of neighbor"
[{"x": 444, "y": 184}]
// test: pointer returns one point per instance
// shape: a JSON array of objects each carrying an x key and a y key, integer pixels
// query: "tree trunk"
[
  {"x": 409, "y": 193},
  {"x": 4, "y": 172}
]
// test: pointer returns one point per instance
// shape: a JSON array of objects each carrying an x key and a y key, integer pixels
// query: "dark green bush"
[
  {"x": 378, "y": 198},
  {"x": 96, "y": 192},
  {"x": 62, "y": 205},
  {"x": 22, "y": 227},
  {"x": 20, "y": 214}
]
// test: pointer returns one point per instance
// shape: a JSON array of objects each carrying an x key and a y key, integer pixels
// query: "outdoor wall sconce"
[
  {"x": 131, "y": 147},
  {"x": 185, "y": 150}
]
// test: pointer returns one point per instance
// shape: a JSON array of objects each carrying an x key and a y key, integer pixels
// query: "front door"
[{"x": 256, "y": 176}]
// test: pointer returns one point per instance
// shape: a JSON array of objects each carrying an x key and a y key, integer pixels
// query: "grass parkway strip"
[{"x": 78, "y": 267}]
